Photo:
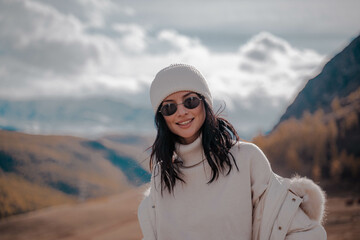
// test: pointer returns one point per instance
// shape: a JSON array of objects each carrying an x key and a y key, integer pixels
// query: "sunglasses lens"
[
  {"x": 171, "y": 108},
  {"x": 191, "y": 102},
  {"x": 168, "y": 109}
]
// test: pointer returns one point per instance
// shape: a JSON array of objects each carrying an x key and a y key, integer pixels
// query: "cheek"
[
  {"x": 202, "y": 115},
  {"x": 169, "y": 121}
]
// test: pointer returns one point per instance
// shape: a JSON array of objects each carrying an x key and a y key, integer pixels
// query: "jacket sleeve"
[
  {"x": 276, "y": 209},
  {"x": 146, "y": 216},
  {"x": 302, "y": 227},
  {"x": 260, "y": 172}
]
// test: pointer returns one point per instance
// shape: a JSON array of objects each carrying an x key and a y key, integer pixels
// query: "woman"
[{"x": 206, "y": 184}]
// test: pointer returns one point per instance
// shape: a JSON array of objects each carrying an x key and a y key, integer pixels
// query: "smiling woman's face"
[{"x": 185, "y": 123}]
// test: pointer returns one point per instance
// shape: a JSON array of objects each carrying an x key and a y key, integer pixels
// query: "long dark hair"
[{"x": 218, "y": 136}]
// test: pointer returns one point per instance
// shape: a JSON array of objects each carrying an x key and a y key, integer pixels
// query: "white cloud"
[
  {"x": 129, "y": 11},
  {"x": 134, "y": 37},
  {"x": 47, "y": 52},
  {"x": 48, "y": 49},
  {"x": 96, "y": 11},
  {"x": 275, "y": 65},
  {"x": 92, "y": 13},
  {"x": 43, "y": 40},
  {"x": 183, "y": 48},
  {"x": 180, "y": 42}
]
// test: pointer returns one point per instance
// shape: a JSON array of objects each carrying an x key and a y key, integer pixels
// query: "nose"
[{"x": 181, "y": 110}]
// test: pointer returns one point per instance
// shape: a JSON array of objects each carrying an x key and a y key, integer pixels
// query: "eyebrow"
[{"x": 170, "y": 100}]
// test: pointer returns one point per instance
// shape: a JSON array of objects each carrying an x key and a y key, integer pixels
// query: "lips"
[{"x": 185, "y": 123}]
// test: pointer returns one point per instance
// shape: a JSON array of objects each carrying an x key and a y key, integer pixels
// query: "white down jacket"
[{"x": 280, "y": 213}]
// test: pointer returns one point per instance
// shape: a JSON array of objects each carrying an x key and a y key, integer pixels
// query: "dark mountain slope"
[{"x": 339, "y": 77}]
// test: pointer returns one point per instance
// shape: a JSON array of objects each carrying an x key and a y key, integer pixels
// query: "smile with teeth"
[{"x": 185, "y": 122}]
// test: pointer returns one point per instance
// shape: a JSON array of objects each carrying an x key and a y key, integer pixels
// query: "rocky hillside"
[
  {"x": 339, "y": 77},
  {"x": 38, "y": 171}
]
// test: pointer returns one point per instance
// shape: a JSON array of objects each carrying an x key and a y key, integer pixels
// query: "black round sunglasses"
[{"x": 169, "y": 109}]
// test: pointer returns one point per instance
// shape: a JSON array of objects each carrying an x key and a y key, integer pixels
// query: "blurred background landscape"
[{"x": 76, "y": 121}]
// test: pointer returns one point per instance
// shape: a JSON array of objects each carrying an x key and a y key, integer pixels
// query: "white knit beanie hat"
[{"x": 176, "y": 78}]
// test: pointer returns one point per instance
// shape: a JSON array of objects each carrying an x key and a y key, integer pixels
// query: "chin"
[{"x": 189, "y": 138}]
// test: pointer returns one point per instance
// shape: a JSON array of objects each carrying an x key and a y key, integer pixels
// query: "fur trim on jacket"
[{"x": 313, "y": 197}]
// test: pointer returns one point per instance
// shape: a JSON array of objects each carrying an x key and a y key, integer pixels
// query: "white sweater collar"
[{"x": 191, "y": 153}]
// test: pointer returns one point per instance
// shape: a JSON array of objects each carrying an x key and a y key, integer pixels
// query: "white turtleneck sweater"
[{"x": 198, "y": 210}]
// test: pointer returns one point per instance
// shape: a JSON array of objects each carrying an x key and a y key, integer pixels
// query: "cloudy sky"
[{"x": 256, "y": 54}]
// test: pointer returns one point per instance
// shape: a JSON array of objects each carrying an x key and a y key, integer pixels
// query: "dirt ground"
[
  {"x": 116, "y": 218},
  {"x": 103, "y": 219},
  {"x": 343, "y": 219}
]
